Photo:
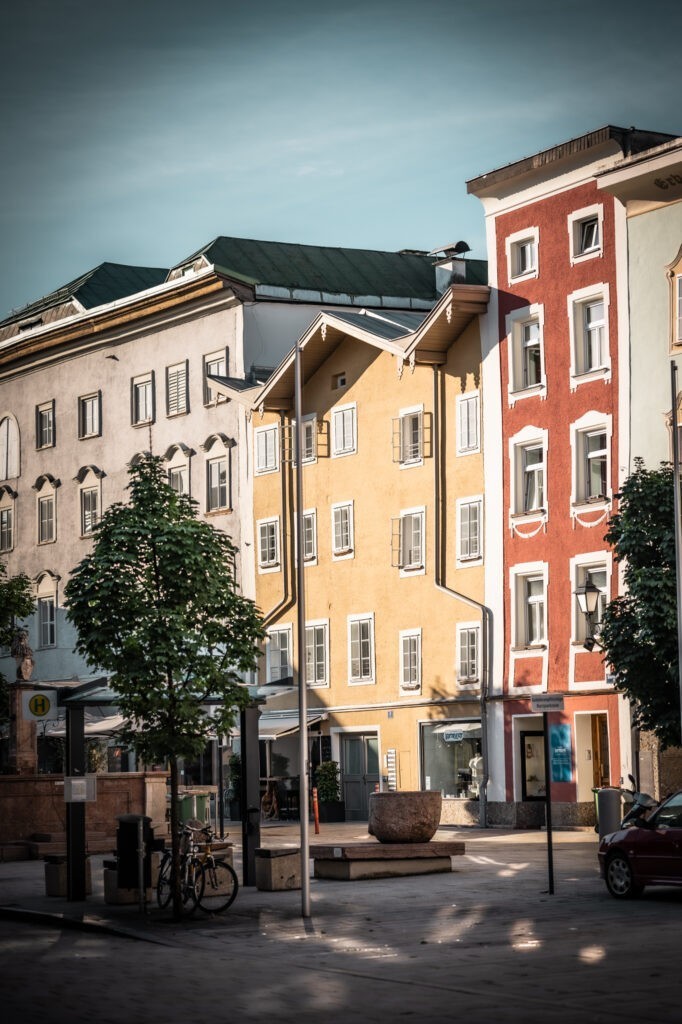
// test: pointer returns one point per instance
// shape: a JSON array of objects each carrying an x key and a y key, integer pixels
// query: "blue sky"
[{"x": 138, "y": 131}]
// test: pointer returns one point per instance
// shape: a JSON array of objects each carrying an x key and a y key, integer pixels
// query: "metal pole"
[
  {"x": 300, "y": 605},
  {"x": 221, "y": 788},
  {"x": 75, "y": 812},
  {"x": 678, "y": 526},
  {"x": 548, "y": 803}
]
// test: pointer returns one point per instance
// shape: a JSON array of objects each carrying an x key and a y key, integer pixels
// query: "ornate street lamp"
[{"x": 588, "y": 598}]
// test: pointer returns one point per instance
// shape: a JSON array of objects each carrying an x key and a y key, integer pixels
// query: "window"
[
  {"x": 408, "y": 437},
  {"x": 45, "y": 426},
  {"x": 215, "y": 365},
  {"x": 342, "y": 530},
  {"x": 142, "y": 399},
  {"x": 46, "y": 519},
  {"x": 310, "y": 536},
  {"x": 525, "y": 351},
  {"x": 528, "y": 456},
  {"x": 178, "y": 479},
  {"x": 338, "y": 381},
  {"x": 588, "y": 325},
  {"x": 90, "y": 415},
  {"x": 279, "y": 664},
  {"x": 89, "y": 509},
  {"x": 533, "y": 478},
  {"x": 407, "y": 541},
  {"x": 267, "y": 444},
  {"x": 9, "y": 448},
  {"x": 534, "y": 598},
  {"x": 469, "y": 527},
  {"x": 361, "y": 648},
  {"x": 343, "y": 430},
  {"x": 308, "y": 440},
  {"x": 268, "y": 544},
  {"x": 47, "y": 631},
  {"x": 522, "y": 254},
  {"x": 177, "y": 380},
  {"x": 590, "y": 443},
  {"x": 410, "y": 659},
  {"x": 6, "y": 529},
  {"x": 467, "y": 654},
  {"x": 678, "y": 308},
  {"x": 596, "y": 459},
  {"x": 467, "y": 423},
  {"x": 217, "y": 496},
  {"x": 585, "y": 229},
  {"x": 450, "y": 755},
  {"x": 316, "y": 654}
]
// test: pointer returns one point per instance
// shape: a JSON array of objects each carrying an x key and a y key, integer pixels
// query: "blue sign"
[{"x": 560, "y": 753}]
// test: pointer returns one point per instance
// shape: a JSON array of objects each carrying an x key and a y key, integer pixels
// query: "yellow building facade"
[{"x": 392, "y": 542}]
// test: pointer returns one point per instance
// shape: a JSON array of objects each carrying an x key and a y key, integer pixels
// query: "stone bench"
[
  {"x": 352, "y": 861},
  {"x": 278, "y": 868}
]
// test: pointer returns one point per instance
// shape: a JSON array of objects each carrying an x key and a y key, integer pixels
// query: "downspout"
[{"x": 485, "y": 612}]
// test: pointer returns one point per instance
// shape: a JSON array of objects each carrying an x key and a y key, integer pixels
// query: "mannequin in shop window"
[{"x": 476, "y": 769}]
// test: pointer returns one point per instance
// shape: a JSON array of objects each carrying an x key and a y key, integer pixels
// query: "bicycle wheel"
[
  {"x": 219, "y": 887},
  {"x": 164, "y": 890},
  {"x": 192, "y": 886}
]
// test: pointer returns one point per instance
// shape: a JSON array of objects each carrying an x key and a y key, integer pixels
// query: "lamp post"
[{"x": 588, "y": 598}]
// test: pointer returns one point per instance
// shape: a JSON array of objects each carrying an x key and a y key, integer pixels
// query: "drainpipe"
[{"x": 485, "y": 612}]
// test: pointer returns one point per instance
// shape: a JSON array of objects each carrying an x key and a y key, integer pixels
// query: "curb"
[{"x": 86, "y": 924}]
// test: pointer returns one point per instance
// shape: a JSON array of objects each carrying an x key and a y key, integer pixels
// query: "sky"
[{"x": 139, "y": 130}]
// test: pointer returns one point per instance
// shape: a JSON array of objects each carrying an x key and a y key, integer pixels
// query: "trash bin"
[
  {"x": 609, "y": 810},
  {"x": 127, "y": 852}
]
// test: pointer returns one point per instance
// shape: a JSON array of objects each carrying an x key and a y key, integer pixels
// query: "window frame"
[
  {"x": 339, "y": 554},
  {"x": 339, "y": 414},
  {"x": 315, "y": 625},
  {"x": 89, "y": 491},
  {"x": 211, "y": 508},
  {"x": 365, "y": 618},
  {"x": 142, "y": 380},
  {"x": 265, "y": 431},
  {"x": 410, "y": 686},
  {"x": 309, "y": 516},
  {"x": 93, "y": 401},
  {"x": 514, "y": 244},
  {"x": 399, "y": 526},
  {"x": 584, "y": 566},
  {"x": 181, "y": 391},
  {"x": 475, "y": 558},
  {"x": 408, "y": 460},
  {"x": 463, "y": 401},
  {"x": 522, "y": 603},
  {"x": 575, "y": 222},
  {"x": 468, "y": 680},
  {"x": 516, "y": 322},
  {"x": 6, "y": 525},
  {"x": 528, "y": 439},
  {"x": 49, "y": 623},
  {"x": 49, "y": 408},
  {"x": 279, "y": 631},
  {"x": 589, "y": 425},
  {"x": 266, "y": 565},
  {"x": 45, "y": 501},
  {"x": 219, "y": 356},
  {"x": 578, "y": 303}
]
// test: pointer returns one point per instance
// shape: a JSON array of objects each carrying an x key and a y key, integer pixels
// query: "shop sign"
[{"x": 453, "y": 735}]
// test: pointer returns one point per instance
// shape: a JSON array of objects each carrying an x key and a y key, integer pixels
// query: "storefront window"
[
  {"x": 451, "y": 758},
  {"x": 532, "y": 766}
]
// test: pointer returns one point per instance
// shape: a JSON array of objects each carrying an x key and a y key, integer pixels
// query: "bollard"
[{"x": 316, "y": 812}]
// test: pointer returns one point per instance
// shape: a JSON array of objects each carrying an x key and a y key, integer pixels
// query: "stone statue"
[{"x": 20, "y": 649}]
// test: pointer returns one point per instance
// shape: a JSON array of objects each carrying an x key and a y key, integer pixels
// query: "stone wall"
[{"x": 33, "y": 804}]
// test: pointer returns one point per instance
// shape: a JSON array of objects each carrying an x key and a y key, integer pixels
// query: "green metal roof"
[
  {"x": 105, "y": 283},
  {"x": 317, "y": 268}
]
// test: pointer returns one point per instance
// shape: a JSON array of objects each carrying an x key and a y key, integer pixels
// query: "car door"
[{"x": 658, "y": 849}]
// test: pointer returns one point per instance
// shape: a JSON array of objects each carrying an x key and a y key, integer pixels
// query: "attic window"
[
  {"x": 338, "y": 381},
  {"x": 28, "y": 325}
]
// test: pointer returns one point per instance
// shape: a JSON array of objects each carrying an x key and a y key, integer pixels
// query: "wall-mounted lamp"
[{"x": 588, "y": 598}]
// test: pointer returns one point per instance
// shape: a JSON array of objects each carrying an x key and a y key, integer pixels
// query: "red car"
[{"x": 647, "y": 853}]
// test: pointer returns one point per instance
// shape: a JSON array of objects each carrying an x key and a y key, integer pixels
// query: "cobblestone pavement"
[{"x": 486, "y": 942}]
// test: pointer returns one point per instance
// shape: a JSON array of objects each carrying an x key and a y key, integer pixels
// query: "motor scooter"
[{"x": 640, "y": 804}]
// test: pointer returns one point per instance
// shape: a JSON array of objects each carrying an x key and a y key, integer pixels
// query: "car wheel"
[{"x": 619, "y": 878}]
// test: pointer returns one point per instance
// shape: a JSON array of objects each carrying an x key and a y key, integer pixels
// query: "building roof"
[
  {"x": 629, "y": 140},
  {"x": 97, "y": 287},
  {"x": 314, "y": 273}
]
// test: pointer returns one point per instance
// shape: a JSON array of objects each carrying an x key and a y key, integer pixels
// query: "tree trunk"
[{"x": 175, "y": 840}]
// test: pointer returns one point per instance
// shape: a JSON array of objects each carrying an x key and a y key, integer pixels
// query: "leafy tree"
[
  {"x": 639, "y": 630},
  {"x": 16, "y": 602},
  {"x": 156, "y": 604}
]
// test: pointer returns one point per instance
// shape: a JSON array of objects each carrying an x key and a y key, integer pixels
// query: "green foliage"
[
  {"x": 639, "y": 630},
  {"x": 327, "y": 782},
  {"x": 155, "y": 603},
  {"x": 16, "y": 602}
]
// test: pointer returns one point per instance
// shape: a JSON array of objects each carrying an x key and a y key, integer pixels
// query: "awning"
[
  {"x": 94, "y": 726},
  {"x": 273, "y": 726},
  {"x": 452, "y": 732}
]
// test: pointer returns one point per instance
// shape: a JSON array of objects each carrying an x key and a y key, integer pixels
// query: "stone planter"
[{"x": 409, "y": 817}]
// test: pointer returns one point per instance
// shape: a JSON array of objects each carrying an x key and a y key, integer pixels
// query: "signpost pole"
[{"x": 548, "y": 802}]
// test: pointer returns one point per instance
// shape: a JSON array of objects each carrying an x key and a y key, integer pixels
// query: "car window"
[{"x": 669, "y": 815}]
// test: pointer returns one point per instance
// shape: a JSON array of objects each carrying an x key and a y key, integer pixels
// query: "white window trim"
[
  {"x": 310, "y": 419},
  {"x": 463, "y": 561},
  {"x": 514, "y": 323},
  {"x": 212, "y": 357},
  {"x": 414, "y": 688},
  {"x": 336, "y": 454},
  {"x": 183, "y": 391},
  {"x": 416, "y": 570},
  {"x": 468, "y": 683},
  {"x": 517, "y": 574},
  {"x": 526, "y": 438},
  {"x": 578, "y": 564},
  {"x": 46, "y": 589},
  {"x": 274, "y": 428},
  {"x": 366, "y": 616},
  {"x": 219, "y": 509},
  {"x": 41, "y": 408},
  {"x": 511, "y": 243},
  {"x": 90, "y": 482},
  {"x": 573, "y": 221},
  {"x": 48, "y": 490},
  {"x": 341, "y": 555},
  {"x": 412, "y": 410},
  {"x": 575, "y": 302},
  {"x": 465, "y": 397},
  {"x": 281, "y": 627},
  {"x": 96, "y": 397},
  {"x": 266, "y": 567},
  {"x": 7, "y": 504},
  {"x": 310, "y": 623},
  {"x": 588, "y": 423},
  {"x": 312, "y": 560},
  {"x": 144, "y": 378}
]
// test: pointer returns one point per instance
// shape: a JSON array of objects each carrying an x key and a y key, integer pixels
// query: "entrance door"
[
  {"x": 601, "y": 772},
  {"x": 360, "y": 772}
]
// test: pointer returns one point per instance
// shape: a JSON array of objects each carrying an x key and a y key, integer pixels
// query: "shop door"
[
  {"x": 601, "y": 768},
  {"x": 360, "y": 768}
]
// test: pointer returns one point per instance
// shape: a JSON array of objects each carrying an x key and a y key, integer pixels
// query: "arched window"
[{"x": 9, "y": 448}]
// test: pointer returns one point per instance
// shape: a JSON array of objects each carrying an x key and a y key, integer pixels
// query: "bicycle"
[{"x": 206, "y": 882}]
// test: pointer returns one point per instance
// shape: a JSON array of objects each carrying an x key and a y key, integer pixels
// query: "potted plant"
[{"x": 330, "y": 805}]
